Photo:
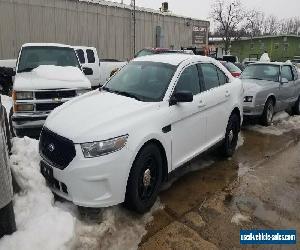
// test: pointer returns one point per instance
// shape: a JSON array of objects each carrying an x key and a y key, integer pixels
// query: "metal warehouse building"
[{"x": 105, "y": 25}]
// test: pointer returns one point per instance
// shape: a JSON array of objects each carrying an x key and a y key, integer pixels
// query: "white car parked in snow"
[{"x": 156, "y": 114}]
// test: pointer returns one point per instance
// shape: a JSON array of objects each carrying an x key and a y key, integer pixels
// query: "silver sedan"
[{"x": 270, "y": 88}]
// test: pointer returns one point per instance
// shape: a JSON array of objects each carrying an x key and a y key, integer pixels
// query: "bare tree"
[
  {"x": 228, "y": 14},
  {"x": 254, "y": 23}
]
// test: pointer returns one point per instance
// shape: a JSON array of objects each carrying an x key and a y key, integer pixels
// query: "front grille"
[
  {"x": 55, "y": 94},
  {"x": 55, "y": 149},
  {"x": 46, "y": 106}
]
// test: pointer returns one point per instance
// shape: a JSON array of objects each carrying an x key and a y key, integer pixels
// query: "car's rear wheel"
[
  {"x": 296, "y": 108},
  {"x": 268, "y": 113},
  {"x": 144, "y": 179},
  {"x": 231, "y": 136}
]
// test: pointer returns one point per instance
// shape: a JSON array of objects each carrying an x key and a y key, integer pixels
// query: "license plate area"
[{"x": 47, "y": 172}]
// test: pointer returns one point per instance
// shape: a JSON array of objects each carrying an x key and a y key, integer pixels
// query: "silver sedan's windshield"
[
  {"x": 144, "y": 81},
  {"x": 261, "y": 72}
]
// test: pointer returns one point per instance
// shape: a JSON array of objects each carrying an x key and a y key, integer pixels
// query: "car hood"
[
  {"x": 51, "y": 77},
  {"x": 254, "y": 85},
  {"x": 97, "y": 115}
]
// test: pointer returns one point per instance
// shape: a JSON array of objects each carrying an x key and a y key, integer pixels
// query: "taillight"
[{"x": 236, "y": 74}]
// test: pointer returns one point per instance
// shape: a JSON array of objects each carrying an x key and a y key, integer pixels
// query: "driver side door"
[{"x": 188, "y": 121}]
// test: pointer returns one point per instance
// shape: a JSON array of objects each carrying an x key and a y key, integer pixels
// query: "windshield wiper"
[
  {"x": 123, "y": 93},
  {"x": 29, "y": 69}
]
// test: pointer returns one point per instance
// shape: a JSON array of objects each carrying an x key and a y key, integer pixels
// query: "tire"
[
  {"x": 7, "y": 132},
  {"x": 296, "y": 108},
  {"x": 231, "y": 136},
  {"x": 10, "y": 123},
  {"x": 144, "y": 179},
  {"x": 268, "y": 113}
]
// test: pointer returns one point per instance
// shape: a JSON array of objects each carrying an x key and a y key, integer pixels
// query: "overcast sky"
[{"x": 200, "y": 8}]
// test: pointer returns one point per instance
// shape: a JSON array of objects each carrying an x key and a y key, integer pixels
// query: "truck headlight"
[
  {"x": 82, "y": 91},
  {"x": 248, "y": 98},
  {"x": 23, "y": 95},
  {"x": 96, "y": 149},
  {"x": 23, "y": 107}
]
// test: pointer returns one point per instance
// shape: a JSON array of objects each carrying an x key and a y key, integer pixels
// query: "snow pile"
[
  {"x": 59, "y": 73},
  {"x": 48, "y": 225},
  {"x": 6, "y": 102},
  {"x": 265, "y": 58},
  {"x": 41, "y": 225},
  {"x": 283, "y": 123},
  {"x": 239, "y": 218}
]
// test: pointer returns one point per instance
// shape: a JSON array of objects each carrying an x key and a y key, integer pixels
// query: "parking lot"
[{"x": 203, "y": 206}]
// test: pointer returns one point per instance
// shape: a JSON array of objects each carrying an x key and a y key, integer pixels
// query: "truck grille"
[
  {"x": 55, "y": 149},
  {"x": 55, "y": 94},
  {"x": 47, "y": 106}
]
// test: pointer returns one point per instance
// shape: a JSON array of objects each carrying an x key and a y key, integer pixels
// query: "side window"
[
  {"x": 189, "y": 80},
  {"x": 90, "y": 56},
  {"x": 210, "y": 75},
  {"x": 296, "y": 74},
  {"x": 80, "y": 55},
  {"x": 287, "y": 73},
  {"x": 222, "y": 77}
]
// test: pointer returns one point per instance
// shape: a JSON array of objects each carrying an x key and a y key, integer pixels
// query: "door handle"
[
  {"x": 201, "y": 104},
  {"x": 227, "y": 94}
]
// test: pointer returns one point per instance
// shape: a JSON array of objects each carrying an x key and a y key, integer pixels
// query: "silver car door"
[{"x": 287, "y": 90}]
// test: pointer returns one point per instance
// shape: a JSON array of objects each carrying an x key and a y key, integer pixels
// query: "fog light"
[{"x": 23, "y": 107}]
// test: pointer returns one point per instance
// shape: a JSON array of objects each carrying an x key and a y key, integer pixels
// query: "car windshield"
[
  {"x": 261, "y": 72},
  {"x": 144, "y": 81},
  {"x": 144, "y": 52},
  {"x": 32, "y": 57}
]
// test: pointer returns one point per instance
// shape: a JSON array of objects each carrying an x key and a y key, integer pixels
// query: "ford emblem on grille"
[{"x": 51, "y": 147}]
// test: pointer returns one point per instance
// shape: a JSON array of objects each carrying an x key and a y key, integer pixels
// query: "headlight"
[
  {"x": 82, "y": 91},
  {"x": 23, "y": 107},
  {"x": 23, "y": 95},
  {"x": 248, "y": 98},
  {"x": 95, "y": 149}
]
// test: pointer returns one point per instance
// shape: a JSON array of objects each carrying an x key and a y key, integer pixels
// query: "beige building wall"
[{"x": 108, "y": 28}]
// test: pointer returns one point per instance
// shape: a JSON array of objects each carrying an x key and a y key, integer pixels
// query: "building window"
[
  {"x": 251, "y": 46},
  {"x": 285, "y": 46},
  {"x": 262, "y": 46},
  {"x": 276, "y": 45}
]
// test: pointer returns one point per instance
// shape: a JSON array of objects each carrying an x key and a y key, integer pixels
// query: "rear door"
[
  {"x": 217, "y": 96},
  {"x": 188, "y": 121}
]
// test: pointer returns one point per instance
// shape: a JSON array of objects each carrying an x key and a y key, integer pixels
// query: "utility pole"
[{"x": 134, "y": 24}]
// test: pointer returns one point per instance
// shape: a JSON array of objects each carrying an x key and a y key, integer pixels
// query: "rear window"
[
  {"x": 90, "y": 56},
  {"x": 261, "y": 72},
  {"x": 80, "y": 55},
  {"x": 231, "y": 67},
  {"x": 144, "y": 52}
]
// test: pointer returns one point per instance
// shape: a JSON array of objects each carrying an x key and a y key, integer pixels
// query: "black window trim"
[
  {"x": 204, "y": 87},
  {"x": 179, "y": 75}
]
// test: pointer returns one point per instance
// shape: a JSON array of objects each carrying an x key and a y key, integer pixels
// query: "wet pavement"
[{"x": 259, "y": 188}]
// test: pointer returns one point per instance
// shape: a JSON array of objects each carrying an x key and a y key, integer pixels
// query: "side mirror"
[
  {"x": 181, "y": 96},
  {"x": 87, "y": 71},
  {"x": 284, "y": 80}
]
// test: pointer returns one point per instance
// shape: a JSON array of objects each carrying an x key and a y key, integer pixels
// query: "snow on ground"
[
  {"x": 41, "y": 225},
  {"x": 6, "y": 102},
  {"x": 45, "y": 224},
  {"x": 239, "y": 218},
  {"x": 282, "y": 123}
]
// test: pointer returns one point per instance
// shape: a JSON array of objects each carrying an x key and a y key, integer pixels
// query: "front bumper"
[
  {"x": 252, "y": 110},
  {"x": 93, "y": 182},
  {"x": 28, "y": 124}
]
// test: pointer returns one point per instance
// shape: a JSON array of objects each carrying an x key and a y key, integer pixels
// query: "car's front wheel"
[
  {"x": 268, "y": 113},
  {"x": 231, "y": 136},
  {"x": 296, "y": 108},
  {"x": 144, "y": 179}
]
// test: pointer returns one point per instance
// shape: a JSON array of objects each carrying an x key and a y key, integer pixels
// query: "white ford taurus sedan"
[{"x": 119, "y": 143}]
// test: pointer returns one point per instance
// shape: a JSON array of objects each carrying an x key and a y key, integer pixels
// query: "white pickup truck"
[
  {"x": 47, "y": 75},
  {"x": 100, "y": 68}
]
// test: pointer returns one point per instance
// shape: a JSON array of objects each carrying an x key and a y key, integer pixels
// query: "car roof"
[
  {"x": 272, "y": 63},
  {"x": 46, "y": 45},
  {"x": 173, "y": 59}
]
